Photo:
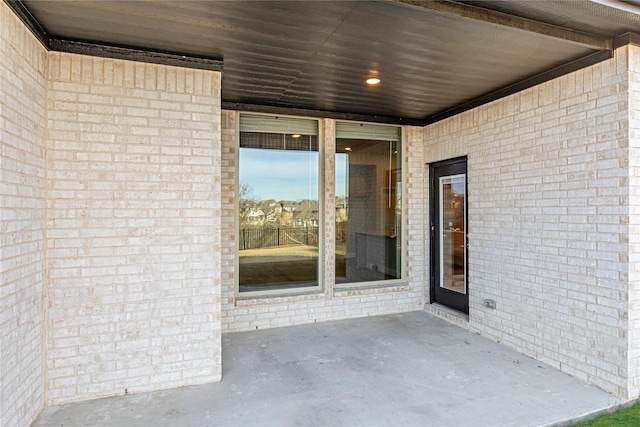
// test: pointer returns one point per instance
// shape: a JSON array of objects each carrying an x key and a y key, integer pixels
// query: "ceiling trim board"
[
  {"x": 269, "y": 109},
  {"x": 126, "y": 53},
  {"x": 626, "y": 39},
  {"x": 107, "y": 51}
]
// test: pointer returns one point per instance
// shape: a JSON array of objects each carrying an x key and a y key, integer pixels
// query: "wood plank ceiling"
[{"x": 434, "y": 58}]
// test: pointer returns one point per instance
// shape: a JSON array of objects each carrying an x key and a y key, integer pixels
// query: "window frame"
[
  {"x": 292, "y": 291},
  {"x": 403, "y": 209},
  {"x": 323, "y": 256}
]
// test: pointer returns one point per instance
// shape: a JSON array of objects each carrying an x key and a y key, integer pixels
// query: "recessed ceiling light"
[
  {"x": 373, "y": 81},
  {"x": 296, "y": 135}
]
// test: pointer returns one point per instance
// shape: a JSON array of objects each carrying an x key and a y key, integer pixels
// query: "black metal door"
[{"x": 449, "y": 284}]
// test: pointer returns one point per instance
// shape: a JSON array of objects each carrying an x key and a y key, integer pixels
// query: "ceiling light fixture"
[
  {"x": 296, "y": 135},
  {"x": 347, "y": 148},
  {"x": 372, "y": 81}
]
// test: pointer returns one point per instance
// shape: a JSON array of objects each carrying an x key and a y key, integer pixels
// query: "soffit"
[{"x": 316, "y": 55}]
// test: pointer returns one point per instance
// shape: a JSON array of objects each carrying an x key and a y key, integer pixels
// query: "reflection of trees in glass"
[
  {"x": 247, "y": 202},
  {"x": 270, "y": 212},
  {"x": 457, "y": 207}
]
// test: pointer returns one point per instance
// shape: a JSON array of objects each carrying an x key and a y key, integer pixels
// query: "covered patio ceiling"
[{"x": 434, "y": 58}]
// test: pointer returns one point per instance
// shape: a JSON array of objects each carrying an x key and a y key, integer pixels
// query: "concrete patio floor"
[{"x": 411, "y": 369}]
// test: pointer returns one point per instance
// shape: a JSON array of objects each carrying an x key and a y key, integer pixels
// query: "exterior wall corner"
[{"x": 22, "y": 221}]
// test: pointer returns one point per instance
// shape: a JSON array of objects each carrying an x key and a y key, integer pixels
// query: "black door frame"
[{"x": 447, "y": 297}]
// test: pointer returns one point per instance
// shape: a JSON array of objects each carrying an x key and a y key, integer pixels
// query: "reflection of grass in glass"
[
  {"x": 278, "y": 273},
  {"x": 279, "y": 265}
]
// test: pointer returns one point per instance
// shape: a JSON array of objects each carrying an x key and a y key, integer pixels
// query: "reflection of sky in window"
[
  {"x": 456, "y": 184},
  {"x": 286, "y": 175},
  {"x": 458, "y": 188},
  {"x": 280, "y": 174},
  {"x": 341, "y": 174}
]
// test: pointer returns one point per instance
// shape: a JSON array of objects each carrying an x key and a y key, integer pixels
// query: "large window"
[
  {"x": 278, "y": 203},
  {"x": 368, "y": 203},
  {"x": 280, "y": 226}
]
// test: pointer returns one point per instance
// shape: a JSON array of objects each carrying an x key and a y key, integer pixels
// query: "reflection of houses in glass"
[
  {"x": 303, "y": 213},
  {"x": 282, "y": 215},
  {"x": 255, "y": 217},
  {"x": 299, "y": 214}
]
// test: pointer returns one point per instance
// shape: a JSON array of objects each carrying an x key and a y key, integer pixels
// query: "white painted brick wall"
[
  {"x": 548, "y": 220},
  {"x": 248, "y": 313},
  {"x": 22, "y": 221},
  {"x": 133, "y": 227}
]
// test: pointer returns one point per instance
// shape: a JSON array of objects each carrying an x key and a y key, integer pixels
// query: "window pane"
[
  {"x": 278, "y": 211},
  {"x": 368, "y": 210},
  {"x": 453, "y": 245}
]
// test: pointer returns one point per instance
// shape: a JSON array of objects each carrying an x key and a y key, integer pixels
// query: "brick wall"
[
  {"x": 22, "y": 221},
  {"x": 634, "y": 222},
  {"x": 331, "y": 303},
  {"x": 134, "y": 206},
  {"x": 133, "y": 227},
  {"x": 548, "y": 219}
]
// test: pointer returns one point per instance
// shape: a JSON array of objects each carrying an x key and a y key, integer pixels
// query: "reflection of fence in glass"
[
  {"x": 341, "y": 231},
  {"x": 255, "y": 238}
]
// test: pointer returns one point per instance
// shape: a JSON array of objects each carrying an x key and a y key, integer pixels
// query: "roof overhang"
[{"x": 435, "y": 58}]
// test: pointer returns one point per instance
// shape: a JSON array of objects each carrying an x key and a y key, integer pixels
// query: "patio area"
[{"x": 411, "y": 369}]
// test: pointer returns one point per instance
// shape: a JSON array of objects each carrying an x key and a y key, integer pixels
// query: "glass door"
[{"x": 449, "y": 284}]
